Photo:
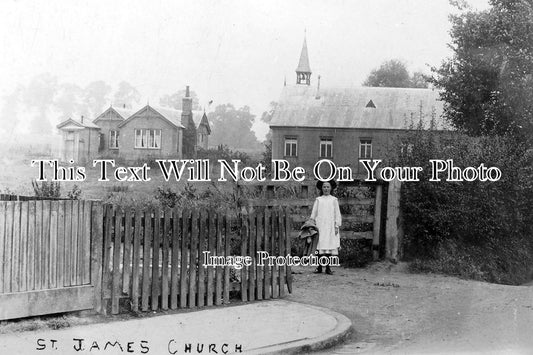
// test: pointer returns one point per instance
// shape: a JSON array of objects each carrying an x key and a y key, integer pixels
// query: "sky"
[{"x": 234, "y": 51}]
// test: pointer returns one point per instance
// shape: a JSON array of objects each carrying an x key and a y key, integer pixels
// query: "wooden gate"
[
  {"x": 48, "y": 253},
  {"x": 154, "y": 259}
]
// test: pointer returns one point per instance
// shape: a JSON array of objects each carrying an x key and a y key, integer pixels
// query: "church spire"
[{"x": 303, "y": 71}]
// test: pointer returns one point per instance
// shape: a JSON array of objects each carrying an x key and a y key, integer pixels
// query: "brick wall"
[
  {"x": 170, "y": 137},
  {"x": 345, "y": 145}
]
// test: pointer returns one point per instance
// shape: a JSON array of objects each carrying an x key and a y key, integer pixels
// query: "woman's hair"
[{"x": 331, "y": 182}]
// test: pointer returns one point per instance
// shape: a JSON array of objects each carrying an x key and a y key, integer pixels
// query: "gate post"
[
  {"x": 393, "y": 229},
  {"x": 377, "y": 223}
]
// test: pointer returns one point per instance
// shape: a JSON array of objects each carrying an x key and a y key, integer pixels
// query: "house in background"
[
  {"x": 108, "y": 122},
  {"x": 197, "y": 128},
  {"x": 203, "y": 131},
  {"x": 346, "y": 125},
  {"x": 79, "y": 140},
  {"x": 151, "y": 132}
]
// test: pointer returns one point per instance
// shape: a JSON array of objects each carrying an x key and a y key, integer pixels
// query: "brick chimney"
[
  {"x": 187, "y": 102},
  {"x": 186, "y": 109},
  {"x": 189, "y": 134}
]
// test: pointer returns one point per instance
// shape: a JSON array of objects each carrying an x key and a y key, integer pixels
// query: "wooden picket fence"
[
  {"x": 11, "y": 197},
  {"x": 46, "y": 257},
  {"x": 153, "y": 259}
]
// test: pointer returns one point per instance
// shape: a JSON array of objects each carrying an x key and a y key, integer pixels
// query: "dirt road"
[{"x": 393, "y": 311}]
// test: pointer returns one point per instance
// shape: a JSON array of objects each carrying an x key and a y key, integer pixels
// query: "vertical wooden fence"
[
  {"x": 361, "y": 208},
  {"x": 66, "y": 255},
  {"x": 156, "y": 259},
  {"x": 46, "y": 256}
]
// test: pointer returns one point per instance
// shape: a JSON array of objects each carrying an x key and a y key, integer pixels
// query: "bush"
[
  {"x": 213, "y": 197},
  {"x": 75, "y": 193},
  {"x": 479, "y": 230},
  {"x": 223, "y": 152},
  {"x": 355, "y": 252},
  {"x": 47, "y": 189}
]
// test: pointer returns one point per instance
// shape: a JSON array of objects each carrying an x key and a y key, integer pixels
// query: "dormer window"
[{"x": 370, "y": 104}]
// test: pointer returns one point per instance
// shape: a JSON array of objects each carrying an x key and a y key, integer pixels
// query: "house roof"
[
  {"x": 171, "y": 115},
  {"x": 303, "y": 65},
  {"x": 168, "y": 114},
  {"x": 124, "y": 112},
  {"x": 114, "y": 113},
  {"x": 77, "y": 124},
  {"x": 199, "y": 117},
  {"x": 394, "y": 108}
]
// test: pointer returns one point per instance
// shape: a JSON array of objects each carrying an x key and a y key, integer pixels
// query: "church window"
[
  {"x": 326, "y": 147},
  {"x": 291, "y": 147},
  {"x": 365, "y": 148}
]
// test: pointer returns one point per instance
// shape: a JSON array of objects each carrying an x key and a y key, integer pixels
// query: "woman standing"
[{"x": 327, "y": 215}]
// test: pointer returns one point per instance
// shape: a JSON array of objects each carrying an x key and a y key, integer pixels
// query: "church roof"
[
  {"x": 303, "y": 65},
  {"x": 394, "y": 108}
]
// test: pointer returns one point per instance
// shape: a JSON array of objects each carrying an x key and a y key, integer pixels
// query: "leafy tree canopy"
[
  {"x": 45, "y": 100},
  {"x": 175, "y": 100},
  {"x": 126, "y": 94},
  {"x": 393, "y": 73},
  {"x": 488, "y": 84},
  {"x": 233, "y": 127}
]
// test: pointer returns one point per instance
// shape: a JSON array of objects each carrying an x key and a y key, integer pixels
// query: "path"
[
  {"x": 261, "y": 327},
  {"x": 396, "y": 312}
]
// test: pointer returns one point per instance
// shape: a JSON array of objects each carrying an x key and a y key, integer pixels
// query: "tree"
[
  {"x": 39, "y": 96},
  {"x": 175, "y": 100},
  {"x": 127, "y": 95},
  {"x": 70, "y": 102},
  {"x": 488, "y": 84},
  {"x": 9, "y": 114},
  {"x": 419, "y": 80},
  {"x": 96, "y": 96},
  {"x": 266, "y": 117},
  {"x": 394, "y": 74},
  {"x": 233, "y": 127}
]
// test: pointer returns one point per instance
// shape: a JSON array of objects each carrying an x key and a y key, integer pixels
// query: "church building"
[{"x": 346, "y": 125}]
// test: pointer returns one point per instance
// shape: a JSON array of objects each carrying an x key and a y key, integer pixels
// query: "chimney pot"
[
  {"x": 123, "y": 105},
  {"x": 81, "y": 118},
  {"x": 187, "y": 91}
]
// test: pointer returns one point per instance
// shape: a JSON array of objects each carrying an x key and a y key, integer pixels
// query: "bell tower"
[{"x": 303, "y": 71}]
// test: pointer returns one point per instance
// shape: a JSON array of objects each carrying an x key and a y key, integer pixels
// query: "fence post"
[
  {"x": 97, "y": 232},
  {"x": 244, "y": 250},
  {"x": 393, "y": 227},
  {"x": 377, "y": 222},
  {"x": 288, "y": 227}
]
